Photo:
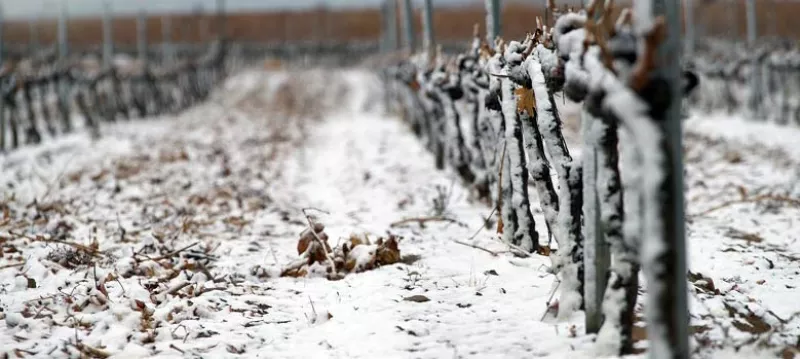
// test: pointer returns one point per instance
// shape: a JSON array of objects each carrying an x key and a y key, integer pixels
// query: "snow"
[
  {"x": 360, "y": 165},
  {"x": 364, "y": 168}
]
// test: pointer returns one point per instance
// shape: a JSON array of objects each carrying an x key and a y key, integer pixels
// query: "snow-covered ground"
[{"x": 176, "y": 225}]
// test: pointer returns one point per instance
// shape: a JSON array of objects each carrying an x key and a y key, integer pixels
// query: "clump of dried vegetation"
[{"x": 356, "y": 254}]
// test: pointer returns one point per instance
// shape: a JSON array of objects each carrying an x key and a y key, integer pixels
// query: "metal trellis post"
[
  {"x": 408, "y": 26},
  {"x": 688, "y": 13},
  {"x": 63, "y": 45},
  {"x": 166, "y": 39},
  {"x": 672, "y": 300},
  {"x": 108, "y": 35},
  {"x": 596, "y": 252},
  {"x": 428, "y": 41},
  {"x": 755, "y": 74},
  {"x": 492, "y": 21},
  {"x": 141, "y": 35},
  {"x": 391, "y": 30}
]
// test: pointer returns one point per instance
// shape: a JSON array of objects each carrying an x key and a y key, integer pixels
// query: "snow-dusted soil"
[
  {"x": 176, "y": 227},
  {"x": 743, "y": 215}
]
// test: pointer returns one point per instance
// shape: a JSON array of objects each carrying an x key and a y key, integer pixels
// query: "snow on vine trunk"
[
  {"x": 633, "y": 114},
  {"x": 539, "y": 166},
  {"x": 472, "y": 104},
  {"x": 458, "y": 154},
  {"x": 525, "y": 234},
  {"x": 436, "y": 125},
  {"x": 621, "y": 290},
  {"x": 567, "y": 228}
]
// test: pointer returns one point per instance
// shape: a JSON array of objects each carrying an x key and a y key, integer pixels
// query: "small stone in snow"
[
  {"x": 490, "y": 272},
  {"x": 417, "y": 298}
]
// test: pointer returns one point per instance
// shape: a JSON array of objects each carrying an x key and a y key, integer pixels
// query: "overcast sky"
[{"x": 50, "y": 8}]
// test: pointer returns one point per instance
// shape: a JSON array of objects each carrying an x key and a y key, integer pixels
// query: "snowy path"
[{"x": 189, "y": 213}]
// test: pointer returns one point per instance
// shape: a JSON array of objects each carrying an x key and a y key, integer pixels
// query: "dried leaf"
[
  {"x": 388, "y": 252},
  {"x": 526, "y": 101},
  {"x": 544, "y": 251}
]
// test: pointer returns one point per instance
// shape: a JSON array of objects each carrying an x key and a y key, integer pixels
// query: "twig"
[
  {"x": 517, "y": 250},
  {"x": 57, "y": 179},
  {"x": 313, "y": 209},
  {"x": 174, "y": 290},
  {"x": 493, "y": 253},
  {"x": 485, "y": 221},
  {"x": 90, "y": 351},
  {"x": 7, "y": 266},
  {"x": 172, "y": 346},
  {"x": 550, "y": 300},
  {"x": 171, "y": 254},
  {"x": 422, "y": 220},
  {"x": 90, "y": 251},
  {"x": 765, "y": 197},
  {"x": 499, "y": 206},
  {"x": 208, "y": 289},
  {"x": 311, "y": 227}
]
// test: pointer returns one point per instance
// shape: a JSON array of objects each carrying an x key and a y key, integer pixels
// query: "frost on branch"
[
  {"x": 525, "y": 234},
  {"x": 539, "y": 166}
]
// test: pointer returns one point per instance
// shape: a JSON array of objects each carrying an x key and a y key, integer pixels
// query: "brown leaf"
[
  {"x": 544, "y": 251},
  {"x": 388, "y": 252},
  {"x": 350, "y": 264},
  {"x": 703, "y": 283},
  {"x": 526, "y": 101},
  {"x": 355, "y": 240},
  {"x": 500, "y": 226},
  {"x": 302, "y": 244}
]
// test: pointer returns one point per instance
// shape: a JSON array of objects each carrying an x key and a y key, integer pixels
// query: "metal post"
[
  {"x": 141, "y": 35},
  {"x": 108, "y": 35},
  {"x": 33, "y": 27},
  {"x": 733, "y": 23},
  {"x": 755, "y": 74},
  {"x": 670, "y": 304},
  {"x": 2, "y": 16},
  {"x": 2, "y": 103},
  {"x": 221, "y": 19},
  {"x": 597, "y": 257},
  {"x": 166, "y": 39},
  {"x": 391, "y": 29},
  {"x": 688, "y": 13},
  {"x": 384, "y": 26},
  {"x": 200, "y": 10},
  {"x": 428, "y": 42},
  {"x": 63, "y": 38},
  {"x": 63, "y": 52},
  {"x": 492, "y": 21},
  {"x": 408, "y": 26}
]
